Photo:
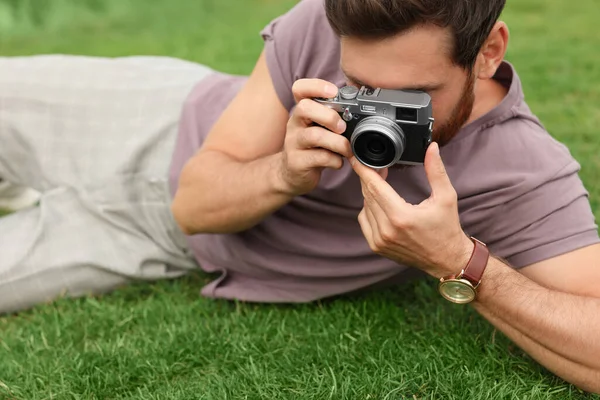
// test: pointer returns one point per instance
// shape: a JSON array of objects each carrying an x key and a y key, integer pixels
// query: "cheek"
[
  {"x": 444, "y": 104},
  {"x": 442, "y": 107}
]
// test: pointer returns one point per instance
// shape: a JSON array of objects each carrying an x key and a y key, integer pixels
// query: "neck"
[{"x": 489, "y": 94}]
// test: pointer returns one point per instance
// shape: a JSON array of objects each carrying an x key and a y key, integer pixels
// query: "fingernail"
[
  {"x": 436, "y": 148},
  {"x": 341, "y": 126},
  {"x": 331, "y": 90}
]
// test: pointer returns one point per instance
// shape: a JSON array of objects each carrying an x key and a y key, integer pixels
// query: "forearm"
[
  {"x": 217, "y": 194},
  {"x": 559, "y": 330},
  {"x": 570, "y": 371}
]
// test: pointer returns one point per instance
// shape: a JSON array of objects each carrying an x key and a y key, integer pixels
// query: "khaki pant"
[{"x": 95, "y": 136}]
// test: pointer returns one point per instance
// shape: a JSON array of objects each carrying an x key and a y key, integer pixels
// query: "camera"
[{"x": 385, "y": 127}]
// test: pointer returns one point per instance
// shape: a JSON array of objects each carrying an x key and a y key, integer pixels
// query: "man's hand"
[
  {"x": 309, "y": 149},
  {"x": 428, "y": 235}
]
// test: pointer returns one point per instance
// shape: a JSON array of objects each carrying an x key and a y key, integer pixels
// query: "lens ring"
[{"x": 385, "y": 127}]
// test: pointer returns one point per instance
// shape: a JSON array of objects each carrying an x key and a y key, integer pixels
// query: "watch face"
[{"x": 457, "y": 291}]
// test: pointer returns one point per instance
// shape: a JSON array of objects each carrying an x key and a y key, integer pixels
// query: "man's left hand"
[{"x": 428, "y": 235}]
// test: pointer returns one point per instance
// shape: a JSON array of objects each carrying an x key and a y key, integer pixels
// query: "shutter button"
[{"x": 347, "y": 116}]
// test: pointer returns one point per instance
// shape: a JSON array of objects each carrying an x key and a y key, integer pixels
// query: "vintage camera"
[{"x": 385, "y": 127}]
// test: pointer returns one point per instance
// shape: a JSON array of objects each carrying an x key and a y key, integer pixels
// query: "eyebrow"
[{"x": 426, "y": 87}]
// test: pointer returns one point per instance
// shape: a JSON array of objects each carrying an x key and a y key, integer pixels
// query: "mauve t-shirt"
[{"x": 518, "y": 188}]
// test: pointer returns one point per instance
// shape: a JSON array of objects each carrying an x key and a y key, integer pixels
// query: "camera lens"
[
  {"x": 378, "y": 142},
  {"x": 376, "y": 146},
  {"x": 374, "y": 149}
]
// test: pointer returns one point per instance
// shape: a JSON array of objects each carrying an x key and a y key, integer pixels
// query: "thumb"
[
  {"x": 436, "y": 172},
  {"x": 383, "y": 173}
]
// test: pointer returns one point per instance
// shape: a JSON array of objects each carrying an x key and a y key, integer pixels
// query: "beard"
[{"x": 459, "y": 116}]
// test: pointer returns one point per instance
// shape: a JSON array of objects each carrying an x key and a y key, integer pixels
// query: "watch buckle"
[{"x": 460, "y": 276}]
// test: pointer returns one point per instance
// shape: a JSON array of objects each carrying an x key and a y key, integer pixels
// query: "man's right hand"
[
  {"x": 242, "y": 174},
  {"x": 308, "y": 149}
]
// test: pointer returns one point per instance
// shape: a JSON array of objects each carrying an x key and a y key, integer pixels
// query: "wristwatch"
[{"x": 462, "y": 288}]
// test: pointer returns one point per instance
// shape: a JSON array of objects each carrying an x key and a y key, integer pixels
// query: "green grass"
[{"x": 163, "y": 341}]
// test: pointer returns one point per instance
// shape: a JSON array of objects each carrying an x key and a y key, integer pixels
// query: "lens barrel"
[{"x": 378, "y": 142}]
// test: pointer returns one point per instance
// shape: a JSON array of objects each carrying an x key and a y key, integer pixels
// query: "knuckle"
[
  {"x": 311, "y": 136},
  {"x": 401, "y": 223},
  {"x": 334, "y": 162},
  {"x": 323, "y": 157},
  {"x": 397, "y": 222},
  {"x": 378, "y": 244},
  {"x": 303, "y": 107},
  {"x": 314, "y": 159},
  {"x": 387, "y": 235},
  {"x": 297, "y": 160},
  {"x": 339, "y": 162},
  {"x": 373, "y": 246},
  {"x": 332, "y": 116},
  {"x": 344, "y": 146},
  {"x": 290, "y": 162},
  {"x": 372, "y": 188},
  {"x": 453, "y": 196},
  {"x": 298, "y": 86},
  {"x": 361, "y": 215},
  {"x": 450, "y": 198},
  {"x": 290, "y": 127}
]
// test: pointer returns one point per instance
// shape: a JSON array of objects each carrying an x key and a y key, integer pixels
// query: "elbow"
[
  {"x": 186, "y": 203},
  {"x": 192, "y": 218},
  {"x": 189, "y": 224},
  {"x": 182, "y": 217}
]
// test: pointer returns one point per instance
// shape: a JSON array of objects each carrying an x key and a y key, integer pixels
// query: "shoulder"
[
  {"x": 507, "y": 159},
  {"x": 524, "y": 144},
  {"x": 519, "y": 188},
  {"x": 301, "y": 44},
  {"x": 306, "y": 15}
]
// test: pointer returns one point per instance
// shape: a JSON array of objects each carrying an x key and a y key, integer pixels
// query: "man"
[{"x": 280, "y": 207}]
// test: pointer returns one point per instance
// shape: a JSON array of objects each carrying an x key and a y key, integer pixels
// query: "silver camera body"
[{"x": 385, "y": 127}]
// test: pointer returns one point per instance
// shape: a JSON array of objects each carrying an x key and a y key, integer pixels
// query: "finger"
[
  {"x": 318, "y": 137},
  {"x": 310, "y": 88},
  {"x": 441, "y": 186},
  {"x": 374, "y": 210},
  {"x": 309, "y": 112},
  {"x": 383, "y": 173},
  {"x": 366, "y": 229},
  {"x": 375, "y": 187},
  {"x": 321, "y": 158},
  {"x": 374, "y": 224}
]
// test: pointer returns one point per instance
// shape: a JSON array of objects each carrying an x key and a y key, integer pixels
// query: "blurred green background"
[{"x": 157, "y": 341}]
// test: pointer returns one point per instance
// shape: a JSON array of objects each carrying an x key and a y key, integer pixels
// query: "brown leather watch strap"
[{"x": 477, "y": 263}]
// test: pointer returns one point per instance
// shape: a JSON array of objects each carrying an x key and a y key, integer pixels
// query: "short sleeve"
[
  {"x": 547, "y": 221},
  {"x": 520, "y": 192},
  {"x": 301, "y": 44}
]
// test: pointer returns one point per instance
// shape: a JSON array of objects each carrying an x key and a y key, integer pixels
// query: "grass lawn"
[{"x": 163, "y": 341}]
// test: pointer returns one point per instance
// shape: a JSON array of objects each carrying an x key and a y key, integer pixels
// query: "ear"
[{"x": 493, "y": 51}]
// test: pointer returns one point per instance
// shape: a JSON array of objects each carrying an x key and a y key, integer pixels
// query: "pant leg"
[
  {"x": 71, "y": 120},
  {"x": 96, "y": 137},
  {"x": 89, "y": 240}
]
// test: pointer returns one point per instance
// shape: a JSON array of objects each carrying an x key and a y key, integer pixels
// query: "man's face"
[{"x": 418, "y": 60}]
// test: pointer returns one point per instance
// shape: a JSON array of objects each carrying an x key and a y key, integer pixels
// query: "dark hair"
[{"x": 469, "y": 20}]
